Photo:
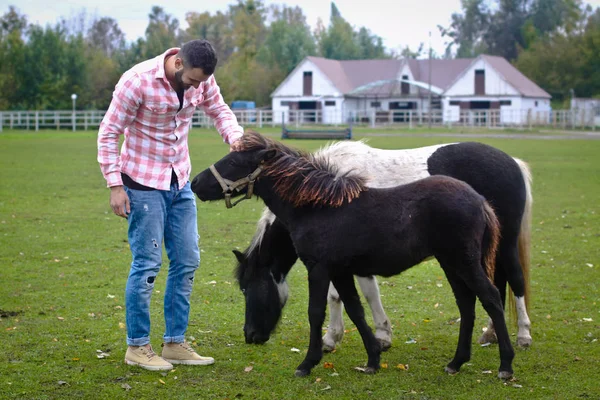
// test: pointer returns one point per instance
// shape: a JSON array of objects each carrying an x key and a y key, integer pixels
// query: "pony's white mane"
[{"x": 265, "y": 220}]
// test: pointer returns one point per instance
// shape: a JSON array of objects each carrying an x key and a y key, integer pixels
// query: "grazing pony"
[
  {"x": 341, "y": 228},
  {"x": 504, "y": 181}
]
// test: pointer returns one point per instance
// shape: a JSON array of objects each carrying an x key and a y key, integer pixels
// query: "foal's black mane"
[{"x": 301, "y": 178}]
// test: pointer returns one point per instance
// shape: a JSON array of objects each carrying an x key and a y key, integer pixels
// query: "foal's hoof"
[
  {"x": 506, "y": 375},
  {"x": 524, "y": 341},
  {"x": 301, "y": 372},
  {"x": 451, "y": 371}
]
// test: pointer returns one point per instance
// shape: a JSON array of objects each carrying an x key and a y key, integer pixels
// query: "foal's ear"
[
  {"x": 266, "y": 155},
  {"x": 240, "y": 257}
]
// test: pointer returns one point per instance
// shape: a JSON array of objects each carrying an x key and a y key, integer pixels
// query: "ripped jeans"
[{"x": 155, "y": 216}]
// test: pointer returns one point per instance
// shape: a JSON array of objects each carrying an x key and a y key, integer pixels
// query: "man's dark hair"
[{"x": 199, "y": 53}]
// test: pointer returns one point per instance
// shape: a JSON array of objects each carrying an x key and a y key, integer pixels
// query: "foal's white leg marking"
[
  {"x": 335, "y": 330},
  {"x": 383, "y": 326},
  {"x": 524, "y": 334},
  {"x": 489, "y": 336}
]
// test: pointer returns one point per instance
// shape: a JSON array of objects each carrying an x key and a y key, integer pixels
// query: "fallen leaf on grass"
[
  {"x": 403, "y": 367},
  {"x": 62, "y": 383},
  {"x": 486, "y": 372},
  {"x": 60, "y": 318},
  {"x": 110, "y": 296},
  {"x": 249, "y": 368},
  {"x": 326, "y": 388},
  {"x": 361, "y": 369},
  {"x": 161, "y": 381},
  {"x": 328, "y": 365},
  {"x": 295, "y": 350},
  {"x": 121, "y": 325},
  {"x": 126, "y": 387},
  {"x": 587, "y": 320},
  {"x": 318, "y": 380},
  {"x": 384, "y": 365}
]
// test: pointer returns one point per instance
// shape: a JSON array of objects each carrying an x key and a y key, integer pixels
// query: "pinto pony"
[
  {"x": 341, "y": 228},
  {"x": 504, "y": 181}
]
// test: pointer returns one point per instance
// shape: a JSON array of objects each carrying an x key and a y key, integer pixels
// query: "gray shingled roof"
[{"x": 348, "y": 75}]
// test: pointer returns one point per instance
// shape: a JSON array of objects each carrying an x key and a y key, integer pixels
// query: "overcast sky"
[{"x": 398, "y": 23}]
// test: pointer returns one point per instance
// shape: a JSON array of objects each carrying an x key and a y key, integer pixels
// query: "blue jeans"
[{"x": 156, "y": 216}]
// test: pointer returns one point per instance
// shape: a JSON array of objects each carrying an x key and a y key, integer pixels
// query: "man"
[{"x": 152, "y": 105}]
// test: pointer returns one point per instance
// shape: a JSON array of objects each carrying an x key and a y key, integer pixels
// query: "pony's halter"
[{"x": 229, "y": 186}]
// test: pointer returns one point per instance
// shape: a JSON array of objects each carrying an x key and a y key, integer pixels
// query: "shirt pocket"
[{"x": 158, "y": 115}]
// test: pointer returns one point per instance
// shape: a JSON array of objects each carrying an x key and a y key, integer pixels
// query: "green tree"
[
  {"x": 288, "y": 41},
  {"x": 217, "y": 29},
  {"x": 162, "y": 32},
  {"x": 13, "y": 28}
]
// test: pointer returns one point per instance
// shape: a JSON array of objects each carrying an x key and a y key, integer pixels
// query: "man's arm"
[
  {"x": 123, "y": 108},
  {"x": 216, "y": 108}
]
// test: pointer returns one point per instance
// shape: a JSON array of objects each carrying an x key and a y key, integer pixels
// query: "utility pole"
[{"x": 429, "y": 119}]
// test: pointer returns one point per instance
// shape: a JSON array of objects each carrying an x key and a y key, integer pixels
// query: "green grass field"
[{"x": 64, "y": 260}]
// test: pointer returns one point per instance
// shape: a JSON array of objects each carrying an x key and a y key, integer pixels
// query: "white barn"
[{"x": 371, "y": 88}]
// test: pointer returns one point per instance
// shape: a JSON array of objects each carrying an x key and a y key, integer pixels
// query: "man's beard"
[{"x": 179, "y": 80}]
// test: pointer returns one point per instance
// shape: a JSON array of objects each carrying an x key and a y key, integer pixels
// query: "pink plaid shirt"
[{"x": 145, "y": 109}]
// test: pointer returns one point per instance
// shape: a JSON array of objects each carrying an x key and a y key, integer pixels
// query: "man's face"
[{"x": 188, "y": 77}]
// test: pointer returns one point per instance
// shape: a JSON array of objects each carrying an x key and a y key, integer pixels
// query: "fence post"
[{"x": 1, "y": 120}]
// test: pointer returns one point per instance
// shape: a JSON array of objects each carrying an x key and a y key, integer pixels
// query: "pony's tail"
[
  {"x": 524, "y": 240},
  {"x": 491, "y": 238}
]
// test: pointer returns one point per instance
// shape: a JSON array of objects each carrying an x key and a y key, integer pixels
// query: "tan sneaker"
[
  {"x": 146, "y": 358},
  {"x": 183, "y": 353}
]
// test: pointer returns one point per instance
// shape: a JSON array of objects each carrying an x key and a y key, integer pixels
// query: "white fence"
[{"x": 565, "y": 119}]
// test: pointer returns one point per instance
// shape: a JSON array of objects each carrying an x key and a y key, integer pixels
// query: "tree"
[
  {"x": 162, "y": 32},
  {"x": 288, "y": 41},
  {"x": 217, "y": 29},
  {"x": 466, "y": 30},
  {"x": 106, "y": 36}
]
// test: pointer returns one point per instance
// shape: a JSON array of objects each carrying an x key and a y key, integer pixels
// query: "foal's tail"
[
  {"x": 524, "y": 240},
  {"x": 491, "y": 238}
]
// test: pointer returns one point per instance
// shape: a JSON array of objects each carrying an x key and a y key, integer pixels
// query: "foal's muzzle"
[{"x": 229, "y": 186}]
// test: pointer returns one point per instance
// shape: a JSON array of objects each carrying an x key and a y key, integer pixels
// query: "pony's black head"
[
  {"x": 264, "y": 294},
  {"x": 234, "y": 166}
]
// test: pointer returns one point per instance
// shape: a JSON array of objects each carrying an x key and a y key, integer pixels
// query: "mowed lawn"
[{"x": 64, "y": 260}]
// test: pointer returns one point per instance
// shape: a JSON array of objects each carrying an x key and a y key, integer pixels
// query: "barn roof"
[{"x": 348, "y": 75}]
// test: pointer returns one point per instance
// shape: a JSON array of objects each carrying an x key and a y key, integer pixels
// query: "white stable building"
[{"x": 363, "y": 89}]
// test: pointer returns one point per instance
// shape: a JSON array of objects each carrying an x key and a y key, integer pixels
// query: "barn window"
[
  {"x": 375, "y": 104},
  {"x": 505, "y": 102},
  {"x": 455, "y": 102},
  {"x": 285, "y": 103},
  {"x": 329, "y": 103},
  {"x": 308, "y": 84},
  {"x": 479, "y": 81},
  {"x": 404, "y": 87},
  {"x": 536, "y": 103}
]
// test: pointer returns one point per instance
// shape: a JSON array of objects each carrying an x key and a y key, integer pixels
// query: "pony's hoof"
[
  {"x": 488, "y": 337},
  {"x": 524, "y": 341},
  {"x": 451, "y": 371},
  {"x": 328, "y": 348},
  {"x": 301, "y": 372},
  {"x": 505, "y": 375},
  {"x": 385, "y": 344}
]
